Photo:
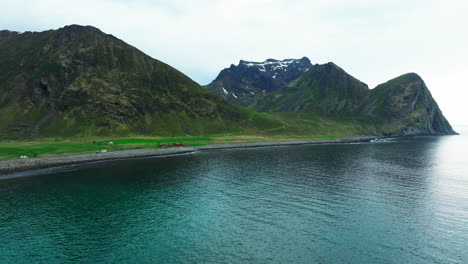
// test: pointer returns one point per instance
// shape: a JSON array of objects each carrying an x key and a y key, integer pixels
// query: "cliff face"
[
  {"x": 407, "y": 107},
  {"x": 402, "y": 106}
]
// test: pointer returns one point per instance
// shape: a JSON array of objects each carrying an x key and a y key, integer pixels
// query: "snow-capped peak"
[{"x": 275, "y": 65}]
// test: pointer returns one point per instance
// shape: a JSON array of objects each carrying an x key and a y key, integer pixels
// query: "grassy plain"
[
  {"x": 54, "y": 147},
  {"x": 290, "y": 126}
]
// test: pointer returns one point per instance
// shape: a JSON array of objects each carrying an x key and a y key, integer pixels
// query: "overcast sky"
[{"x": 373, "y": 40}]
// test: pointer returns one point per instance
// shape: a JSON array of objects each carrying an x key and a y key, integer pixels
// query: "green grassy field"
[
  {"x": 291, "y": 126},
  {"x": 53, "y": 147}
]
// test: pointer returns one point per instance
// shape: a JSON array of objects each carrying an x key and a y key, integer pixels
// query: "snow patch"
[
  {"x": 224, "y": 91},
  {"x": 234, "y": 95},
  {"x": 273, "y": 65}
]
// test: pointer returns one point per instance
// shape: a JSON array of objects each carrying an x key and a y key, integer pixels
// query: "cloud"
[{"x": 374, "y": 40}]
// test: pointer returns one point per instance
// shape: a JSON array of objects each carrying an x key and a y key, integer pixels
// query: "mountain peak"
[
  {"x": 76, "y": 27},
  {"x": 410, "y": 77},
  {"x": 68, "y": 28},
  {"x": 408, "y": 103},
  {"x": 78, "y": 80},
  {"x": 241, "y": 84},
  {"x": 404, "y": 79},
  {"x": 274, "y": 64}
]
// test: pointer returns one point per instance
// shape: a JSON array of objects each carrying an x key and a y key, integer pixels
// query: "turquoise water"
[{"x": 402, "y": 201}]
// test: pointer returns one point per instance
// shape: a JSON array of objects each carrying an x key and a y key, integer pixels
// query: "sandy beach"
[{"x": 9, "y": 166}]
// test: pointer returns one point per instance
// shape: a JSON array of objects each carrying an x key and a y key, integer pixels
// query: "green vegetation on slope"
[
  {"x": 79, "y": 81},
  {"x": 325, "y": 89},
  {"x": 405, "y": 106},
  {"x": 402, "y": 106}
]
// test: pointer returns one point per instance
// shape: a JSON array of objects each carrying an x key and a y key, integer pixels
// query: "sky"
[{"x": 373, "y": 40}]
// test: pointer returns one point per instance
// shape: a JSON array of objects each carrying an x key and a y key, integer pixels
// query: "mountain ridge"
[
  {"x": 408, "y": 105},
  {"x": 328, "y": 90},
  {"x": 77, "y": 80},
  {"x": 243, "y": 83},
  {"x": 80, "y": 81}
]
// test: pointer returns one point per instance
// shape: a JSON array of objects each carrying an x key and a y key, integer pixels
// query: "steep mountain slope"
[
  {"x": 402, "y": 106},
  {"x": 249, "y": 81},
  {"x": 406, "y": 107},
  {"x": 80, "y": 81},
  {"x": 327, "y": 89}
]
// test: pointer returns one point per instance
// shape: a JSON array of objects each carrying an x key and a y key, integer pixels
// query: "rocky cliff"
[
  {"x": 405, "y": 106},
  {"x": 248, "y": 81},
  {"x": 402, "y": 106}
]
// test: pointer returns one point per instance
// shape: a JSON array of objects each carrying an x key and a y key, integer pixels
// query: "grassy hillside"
[
  {"x": 402, "y": 106},
  {"x": 405, "y": 106},
  {"x": 79, "y": 81},
  {"x": 326, "y": 89}
]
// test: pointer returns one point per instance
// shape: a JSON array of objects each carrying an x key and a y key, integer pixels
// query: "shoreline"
[{"x": 11, "y": 166}]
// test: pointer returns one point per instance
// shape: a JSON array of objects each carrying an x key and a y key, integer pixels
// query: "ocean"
[{"x": 395, "y": 201}]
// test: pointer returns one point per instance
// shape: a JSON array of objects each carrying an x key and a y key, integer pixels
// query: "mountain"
[
  {"x": 405, "y": 106},
  {"x": 79, "y": 81},
  {"x": 248, "y": 81},
  {"x": 326, "y": 88},
  {"x": 402, "y": 106}
]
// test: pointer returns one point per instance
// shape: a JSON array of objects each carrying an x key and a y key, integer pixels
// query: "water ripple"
[{"x": 397, "y": 202}]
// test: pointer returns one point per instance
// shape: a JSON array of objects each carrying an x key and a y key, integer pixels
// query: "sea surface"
[{"x": 397, "y": 201}]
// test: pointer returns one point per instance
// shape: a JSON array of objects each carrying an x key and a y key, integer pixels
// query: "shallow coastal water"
[{"x": 401, "y": 201}]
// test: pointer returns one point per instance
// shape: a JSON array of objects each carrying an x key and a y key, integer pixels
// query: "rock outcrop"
[
  {"x": 406, "y": 107},
  {"x": 248, "y": 81}
]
